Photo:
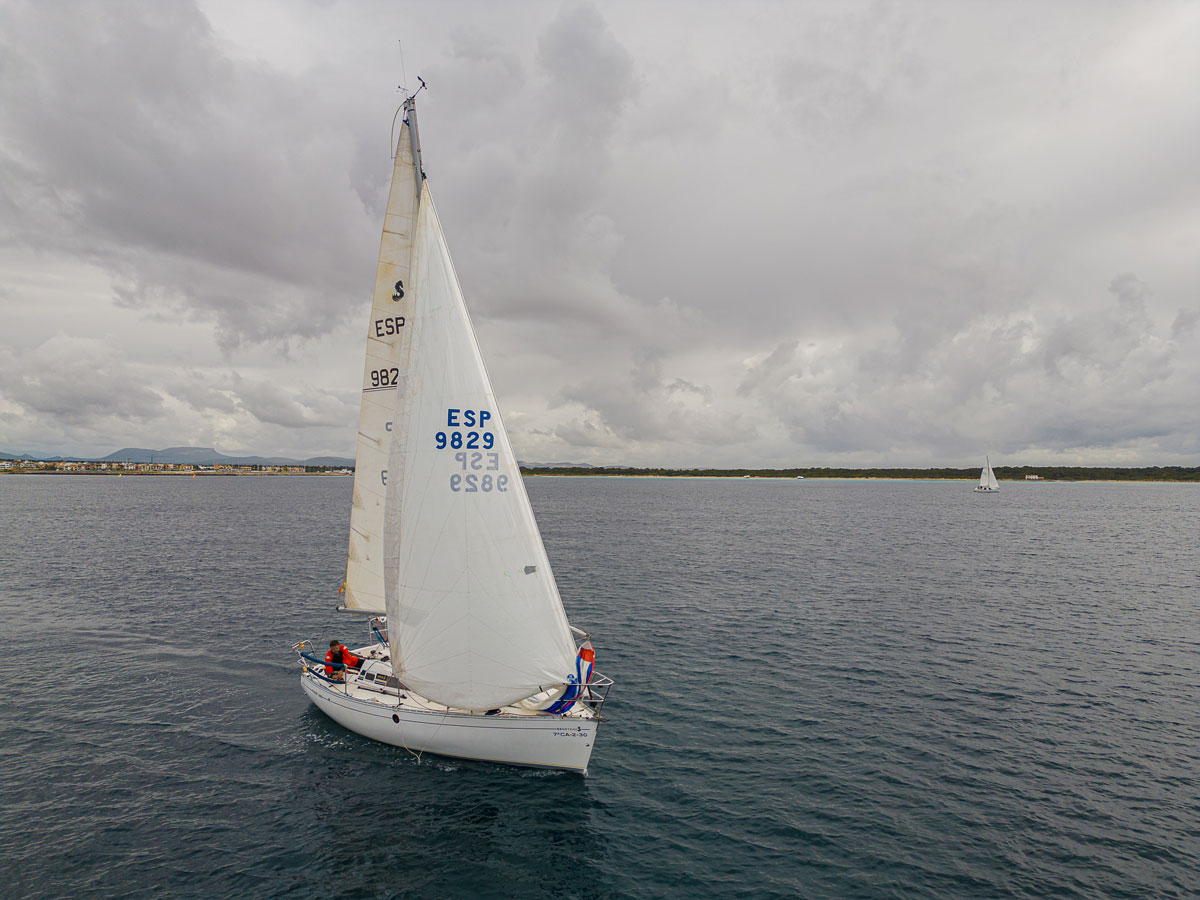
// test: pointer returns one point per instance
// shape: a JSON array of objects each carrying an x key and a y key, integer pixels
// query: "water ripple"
[{"x": 825, "y": 689}]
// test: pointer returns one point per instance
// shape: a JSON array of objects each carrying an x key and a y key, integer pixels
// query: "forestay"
[
  {"x": 386, "y": 332},
  {"x": 475, "y": 620}
]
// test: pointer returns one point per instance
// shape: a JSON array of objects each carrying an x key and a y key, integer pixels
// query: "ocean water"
[{"x": 827, "y": 689}]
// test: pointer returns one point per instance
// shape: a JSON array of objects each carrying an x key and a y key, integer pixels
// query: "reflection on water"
[{"x": 383, "y": 809}]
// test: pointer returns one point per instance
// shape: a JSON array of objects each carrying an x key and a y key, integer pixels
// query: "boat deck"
[{"x": 375, "y": 683}]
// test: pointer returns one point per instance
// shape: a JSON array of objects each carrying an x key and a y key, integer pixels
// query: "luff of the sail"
[
  {"x": 474, "y": 615},
  {"x": 993, "y": 484},
  {"x": 387, "y": 331},
  {"x": 983, "y": 474}
]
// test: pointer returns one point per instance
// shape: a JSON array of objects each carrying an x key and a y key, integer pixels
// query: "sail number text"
[
  {"x": 470, "y": 483},
  {"x": 475, "y": 468},
  {"x": 455, "y": 440},
  {"x": 385, "y": 377},
  {"x": 478, "y": 462},
  {"x": 467, "y": 418},
  {"x": 390, "y": 325},
  {"x": 472, "y": 440}
]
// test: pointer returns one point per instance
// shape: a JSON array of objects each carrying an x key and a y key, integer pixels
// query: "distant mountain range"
[
  {"x": 196, "y": 456},
  {"x": 207, "y": 456}
]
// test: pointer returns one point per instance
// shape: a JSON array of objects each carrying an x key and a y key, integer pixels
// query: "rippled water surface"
[{"x": 824, "y": 689}]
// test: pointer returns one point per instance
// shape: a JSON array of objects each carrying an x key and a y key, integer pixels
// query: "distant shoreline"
[
  {"x": 633, "y": 477},
  {"x": 862, "y": 478},
  {"x": 1010, "y": 474},
  {"x": 134, "y": 474}
]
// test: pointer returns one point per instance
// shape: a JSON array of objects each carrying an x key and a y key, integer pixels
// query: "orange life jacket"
[{"x": 347, "y": 657}]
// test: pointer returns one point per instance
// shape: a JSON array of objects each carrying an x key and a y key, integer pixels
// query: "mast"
[
  {"x": 410, "y": 116},
  {"x": 410, "y": 119}
]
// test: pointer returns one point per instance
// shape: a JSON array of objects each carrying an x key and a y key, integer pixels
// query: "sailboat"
[
  {"x": 987, "y": 478},
  {"x": 470, "y": 652}
]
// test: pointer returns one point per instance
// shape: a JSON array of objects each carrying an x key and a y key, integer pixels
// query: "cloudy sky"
[{"x": 690, "y": 233}]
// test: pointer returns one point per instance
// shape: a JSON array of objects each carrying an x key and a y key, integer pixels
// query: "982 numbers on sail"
[{"x": 385, "y": 377}]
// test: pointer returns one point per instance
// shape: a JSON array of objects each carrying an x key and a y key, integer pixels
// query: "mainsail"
[
  {"x": 474, "y": 616},
  {"x": 387, "y": 333}
]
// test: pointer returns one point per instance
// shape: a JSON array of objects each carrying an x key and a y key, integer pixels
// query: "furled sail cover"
[
  {"x": 474, "y": 616},
  {"x": 386, "y": 332}
]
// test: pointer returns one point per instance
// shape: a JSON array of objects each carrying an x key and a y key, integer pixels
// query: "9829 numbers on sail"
[
  {"x": 476, "y": 466},
  {"x": 472, "y": 440}
]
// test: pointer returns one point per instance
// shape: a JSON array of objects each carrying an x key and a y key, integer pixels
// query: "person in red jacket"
[{"x": 339, "y": 654}]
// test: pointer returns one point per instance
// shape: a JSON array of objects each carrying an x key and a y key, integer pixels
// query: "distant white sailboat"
[
  {"x": 987, "y": 478},
  {"x": 472, "y": 654}
]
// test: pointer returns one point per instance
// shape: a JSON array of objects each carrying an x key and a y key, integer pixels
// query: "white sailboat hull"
[{"x": 542, "y": 741}]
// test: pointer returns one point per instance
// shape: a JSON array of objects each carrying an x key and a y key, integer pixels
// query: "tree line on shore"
[{"x": 1003, "y": 473}]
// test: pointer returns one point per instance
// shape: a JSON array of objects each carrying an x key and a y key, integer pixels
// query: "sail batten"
[{"x": 475, "y": 619}]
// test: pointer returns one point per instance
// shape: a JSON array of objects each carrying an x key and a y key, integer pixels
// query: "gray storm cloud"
[
  {"x": 863, "y": 233},
  {"x": 133, "y": 141}
]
